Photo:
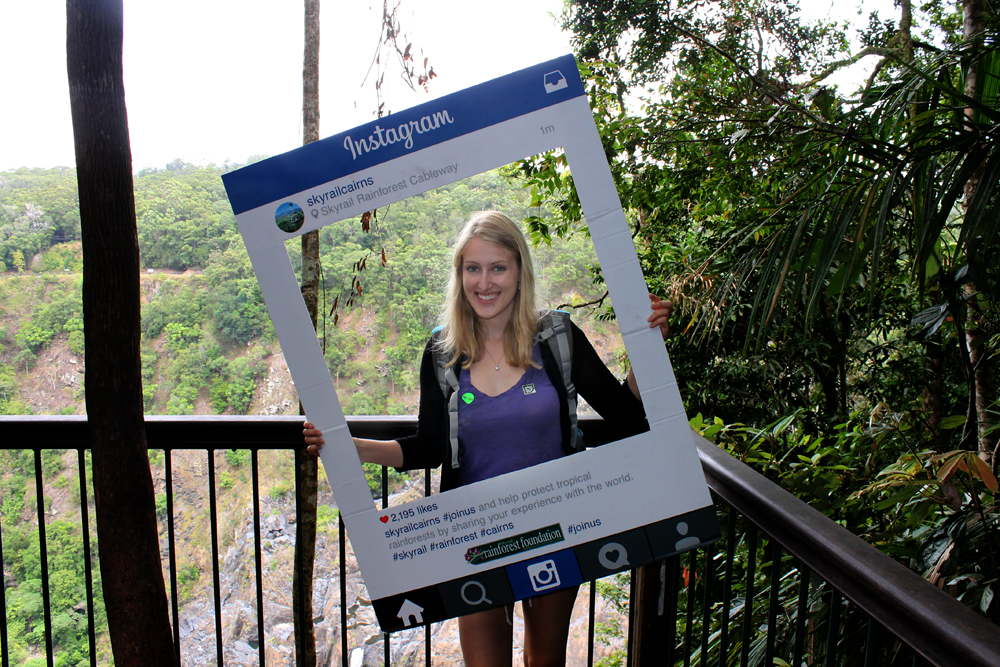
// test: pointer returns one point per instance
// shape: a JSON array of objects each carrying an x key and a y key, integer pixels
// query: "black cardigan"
[{"x": 430, "y": 446}]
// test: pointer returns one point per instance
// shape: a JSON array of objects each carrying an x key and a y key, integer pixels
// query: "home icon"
[
  {"x": 410, "y": 613},
  {"x": 554, "y": 81}
]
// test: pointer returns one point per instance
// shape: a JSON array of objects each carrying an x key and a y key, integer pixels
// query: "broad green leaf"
[
  {"x": 986, "y": 600},
  {"x": 952, "y": 422},
  {"x": 983, "y": 472},
  {"x": 949, "y": 465}
]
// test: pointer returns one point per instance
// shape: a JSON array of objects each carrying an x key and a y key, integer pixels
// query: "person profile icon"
[{"x": 685, "y": 542}]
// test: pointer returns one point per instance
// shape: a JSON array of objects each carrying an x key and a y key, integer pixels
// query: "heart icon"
[{"x": 384, "y": 519}]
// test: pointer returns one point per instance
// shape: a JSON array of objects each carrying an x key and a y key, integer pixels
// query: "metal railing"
[{"x": 784, "y": 582}]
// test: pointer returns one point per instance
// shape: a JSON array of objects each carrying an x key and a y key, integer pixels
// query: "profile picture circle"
[{"x": 289, "y": 217}]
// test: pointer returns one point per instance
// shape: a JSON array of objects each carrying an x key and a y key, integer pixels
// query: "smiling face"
[{"x": 490, "y": 274}]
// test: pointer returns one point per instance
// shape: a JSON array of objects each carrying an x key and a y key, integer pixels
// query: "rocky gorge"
[{"x": 237, "y": 576}]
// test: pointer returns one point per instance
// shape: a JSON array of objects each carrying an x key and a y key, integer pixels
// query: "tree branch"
[
  {"x": 886, "y": 54},
  {"x": 597, "y": 303}
]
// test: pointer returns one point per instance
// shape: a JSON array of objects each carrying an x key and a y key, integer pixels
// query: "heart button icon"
[{"x": 384, "y": 519}]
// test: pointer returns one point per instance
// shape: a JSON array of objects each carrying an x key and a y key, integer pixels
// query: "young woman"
[{"x": 489, "y": 323}]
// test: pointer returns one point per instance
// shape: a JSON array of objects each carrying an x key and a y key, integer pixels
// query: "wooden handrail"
[{"x": 938, "y": 627}]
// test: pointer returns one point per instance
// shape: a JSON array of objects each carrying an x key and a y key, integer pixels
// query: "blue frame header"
[{"x": 388, "y": 138}]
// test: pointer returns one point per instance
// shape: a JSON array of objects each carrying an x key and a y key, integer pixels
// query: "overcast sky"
[{"x": 216, "y": 80}]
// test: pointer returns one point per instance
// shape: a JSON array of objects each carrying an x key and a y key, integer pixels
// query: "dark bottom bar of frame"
[{"x": 554, "y": 571}]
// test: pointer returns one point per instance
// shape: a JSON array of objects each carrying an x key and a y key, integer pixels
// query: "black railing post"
[
  {"x": 748, "y": 594},
  {"x": 801, "y": 614},
  {"x": 872, "y": 645},
  {"x": 255, "y": 480},
  {"x": 633, "y": 604},
  {"x": 692, "y": 585},
  {"x": 43, "y": 555},
  {"x": 727, "y": 588},
  {"x": 88, "y": 570},
  {"x": 213, "y": 512},
  {"x": 591, "y": 619},
  {"x": 342, "y": 535},
  {"x": 427, "y": 629},
  {"x": 670, "y": 573},
  {"x": 386, "y": 649},
  {"x": 3, "y": 606},
  {"x": 706, "y": 605},
  {"x": 774, "y": 603},
  {"x": 833, "y": 631},
  {"x": 168, "y": 490}
]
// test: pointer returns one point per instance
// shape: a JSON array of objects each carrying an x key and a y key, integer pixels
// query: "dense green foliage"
[
  {"x": 832, "y": 259},
  {"x": 38, "y": 208},
  {"x": 206, "y": 332},
  {"x": 183, "y": 216}
]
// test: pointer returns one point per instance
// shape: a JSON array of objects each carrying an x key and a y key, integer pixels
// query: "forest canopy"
[{"x": 831, "y": 254}]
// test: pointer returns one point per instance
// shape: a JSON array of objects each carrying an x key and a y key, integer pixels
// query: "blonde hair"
[{"x": 462, "y": 330}]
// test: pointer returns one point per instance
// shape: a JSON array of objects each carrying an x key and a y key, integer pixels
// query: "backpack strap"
[
  {"x": 448, "y": 382},
  {"x": 554, "y": 331},
  {"x": 452, "y": 381}
]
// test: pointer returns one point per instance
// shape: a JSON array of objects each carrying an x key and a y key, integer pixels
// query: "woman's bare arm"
[{"x": 379, "y": 452}]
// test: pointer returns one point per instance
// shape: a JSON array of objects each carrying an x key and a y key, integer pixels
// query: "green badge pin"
[{"x": 468, "y": 397}]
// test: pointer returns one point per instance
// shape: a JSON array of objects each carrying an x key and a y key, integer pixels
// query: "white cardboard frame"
[{"x": 538, "y": 109}]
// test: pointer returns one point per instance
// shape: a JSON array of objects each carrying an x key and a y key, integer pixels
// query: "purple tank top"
[{"x": 515, "y": 430}]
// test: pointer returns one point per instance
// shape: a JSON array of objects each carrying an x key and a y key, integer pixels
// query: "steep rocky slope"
[{"x": 238, "y": 587}]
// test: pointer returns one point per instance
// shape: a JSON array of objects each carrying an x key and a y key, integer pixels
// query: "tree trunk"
[
  {"x": 310, "y": 75},
  {"x": 985, "y": 380},
  {"x": 134, "y": 593},
  {"x": 654, "y": 596},
  {"x": 905, "y": 24},
  {"x": 306, "y": 466},
  {"x": 973, "y": 24}
]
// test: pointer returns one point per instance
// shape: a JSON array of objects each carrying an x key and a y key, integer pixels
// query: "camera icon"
[{"x": 543, "y": 575}]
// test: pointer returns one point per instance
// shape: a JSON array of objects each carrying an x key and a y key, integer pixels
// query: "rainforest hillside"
[{"x": 208, "y": 345}]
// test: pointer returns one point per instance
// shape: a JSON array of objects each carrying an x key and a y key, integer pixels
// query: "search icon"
[{"x": 482, "y": 594}]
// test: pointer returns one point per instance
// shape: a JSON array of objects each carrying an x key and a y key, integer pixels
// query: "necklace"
[{"x": 496, "y": 364}]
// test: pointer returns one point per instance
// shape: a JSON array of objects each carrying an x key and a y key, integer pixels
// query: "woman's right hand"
[{"x": 313, "y": 437}]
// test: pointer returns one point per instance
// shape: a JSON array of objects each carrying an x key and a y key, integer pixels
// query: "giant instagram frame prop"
[{"x": 525, "y": 533}]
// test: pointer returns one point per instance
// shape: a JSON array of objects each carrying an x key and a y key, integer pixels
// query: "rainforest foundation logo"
[{"x": 516, "y": 544}]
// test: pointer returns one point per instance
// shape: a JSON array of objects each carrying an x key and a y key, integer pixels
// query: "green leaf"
[
  {"x": 899, "y": 498},
  {"x": 986, "y": 599},
  {"x": 983, "y": 471},
  {"x": 954, "y": 421}
]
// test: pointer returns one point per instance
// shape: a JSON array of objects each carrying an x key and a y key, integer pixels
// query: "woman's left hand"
[{"x": 661, "y": 314}]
